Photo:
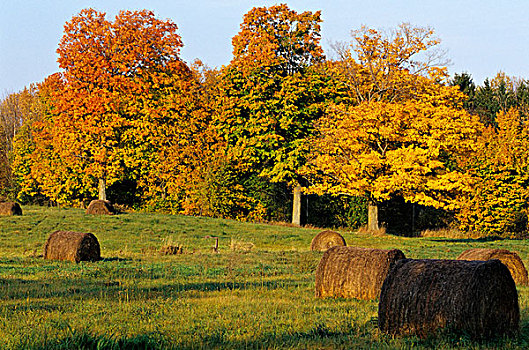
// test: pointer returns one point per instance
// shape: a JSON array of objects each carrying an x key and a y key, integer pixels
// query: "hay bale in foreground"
[
  {"x": 508, "y": 258},
  {"x": 327, "y": 239},
  {"x": 350, "y": 272},
  {"x": 72, "y": 246},
  {"x": 10, "y": 208},
  {"x": 421, "y": 297},
  {"x": 100, "y": 207}
]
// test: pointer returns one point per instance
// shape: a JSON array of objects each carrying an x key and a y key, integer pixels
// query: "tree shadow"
[
  {"x": 111, "y": 259},
  {"x": 467, "y": 240},
  {"x": 222, "y": 286},
  {"x": 26, "y": 289}
]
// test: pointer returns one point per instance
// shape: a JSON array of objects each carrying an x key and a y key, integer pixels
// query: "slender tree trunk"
[
  {"x": 102, "y": 189},
  {"x": 372, "y": 216},
  {"x": 296, "y": 209}
]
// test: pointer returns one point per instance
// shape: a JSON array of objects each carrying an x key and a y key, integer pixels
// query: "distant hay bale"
[
  {"x": 327, "y": 239},
  {"x": 171, "y": 250},
  {"x": 10, "y": 208},
  {"x": 238, "y": 245},
  {"x": 508, "y": 258},
  {"x": 349, "y": 272},
  {"x": 72, "y": 246},
  {"x": 476, "y": 298},
  {"x": 100, "y": 207}
]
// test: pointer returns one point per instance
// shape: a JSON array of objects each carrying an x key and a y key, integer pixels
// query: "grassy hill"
[{"x": 256, "y": 292}]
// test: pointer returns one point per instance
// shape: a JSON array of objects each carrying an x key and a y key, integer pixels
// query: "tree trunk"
[
  {"x": 296, "y": 210},
  {"x": 102, "y": 189},
  {"x": 372, "y": 216}
]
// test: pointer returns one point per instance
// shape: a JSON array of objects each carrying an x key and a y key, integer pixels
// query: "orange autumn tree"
[
  {"x": 188, "y": 147},
  {"x": 37, "y": 163},
  {"x": 398, "y": 131},
  {"x": 114, "y": 77},
  {"x": 270, "y": 94}
]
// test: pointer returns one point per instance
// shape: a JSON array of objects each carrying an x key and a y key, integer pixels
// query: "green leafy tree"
[
  {"x": 500, "y": 94},
  {"x": 466, "y": 85},
  {"x": 270, "y": 93}
]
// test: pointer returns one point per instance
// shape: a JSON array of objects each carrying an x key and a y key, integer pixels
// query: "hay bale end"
[
  {"x": 422, "y": 297},
  {"x": 10, "y": 208},
  {"x": 327, "y": 239},
  {"x": 72, "y": 246},
  {"x": 510, "y": 259},
  {"x": 350, "y": 272},
  {"x": 100, "y": 207}
]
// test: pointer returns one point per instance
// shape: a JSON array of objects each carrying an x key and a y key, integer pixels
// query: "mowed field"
[{"x": 256, "y": 292}]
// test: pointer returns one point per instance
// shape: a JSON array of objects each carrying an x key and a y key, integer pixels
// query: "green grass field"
[{"x": 257, "y": 292}]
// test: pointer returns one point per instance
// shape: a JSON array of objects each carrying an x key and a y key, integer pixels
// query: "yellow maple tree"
[
  {"x": 498, "y": 205},
  {"x": 398, "y": 129}
]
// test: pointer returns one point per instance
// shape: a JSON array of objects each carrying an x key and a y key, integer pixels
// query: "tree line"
[{"x": 378, "y": 130}]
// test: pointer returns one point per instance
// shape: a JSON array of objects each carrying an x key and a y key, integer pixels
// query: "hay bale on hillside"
[
  {"x": 421, "y": 297},
  {"x": 508, "y": 258},
  {"x": 350, "y": 272},
  {"x": 72, "y": 246},
  {"x": 100, "y": 207},
  {"x": 10, "y": 208},
  {"x": 327, "y": 239},
  {"x": 171, "y": 250}
]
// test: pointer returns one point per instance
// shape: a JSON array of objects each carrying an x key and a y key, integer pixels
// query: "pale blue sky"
[{"x": 482, "y": 37}]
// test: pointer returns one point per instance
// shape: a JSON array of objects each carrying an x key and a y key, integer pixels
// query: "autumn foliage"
[
  {"x": 269, "y": 91},
  {"x": 398, "y": 131},
  {"x": 498, "y": 204},
  {"x": 127, "y": 117}
]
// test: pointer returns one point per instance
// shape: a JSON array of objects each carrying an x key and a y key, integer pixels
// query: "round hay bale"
[
  {"x": 327, "y": 239},
  {"x": 508, "y": 258},
  {"x": 100, "y": 207},
  {"x": 476, "y": 298},
  {"x": 72, "y": 246},
  {"x": 171, "y": 250},
  {"x": 10, "y": 208},
  {"x": 350, "y": 272}
]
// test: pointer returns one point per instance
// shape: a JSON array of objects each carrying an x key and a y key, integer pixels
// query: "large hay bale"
[
  {"x": 327, "y": 239},
  {"x": 10, "y": 208},
  {"x": 100, "y": 207},
  {"x": 476, "y": 298},
  {"x": 349, "y": 272},
  {"x": 508, "y": 258},
  {"x": 72, "y": 246}
]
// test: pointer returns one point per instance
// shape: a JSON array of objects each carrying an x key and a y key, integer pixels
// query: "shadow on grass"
[
  {"x": 467, "y": 240},
  {"x": 115, "y": 259},
  {"x": 211, "y": 340},
  {"x": 221, "y": 286},
  {"x": 317, "y": 337},
  {"x": 88, "y": 341},
  {"x": 25, "y": 290}
]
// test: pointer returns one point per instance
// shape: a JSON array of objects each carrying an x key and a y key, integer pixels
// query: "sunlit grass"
[{"x": 257, "y": 297}]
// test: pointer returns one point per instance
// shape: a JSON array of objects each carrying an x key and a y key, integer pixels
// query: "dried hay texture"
[
  {"x": 508, "y": 258},
  {"x": 10, "y": 208},
  {"x": 171, "y": 250},
  {"x": 241, "y": 246},
  {"x": 327, "y": 239},
  {"x": 72, "y": 246},
  {"x": 349, "y": 272},
  {"x": 100, "y": 207},
  {"x": 423, "y": 297}
]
